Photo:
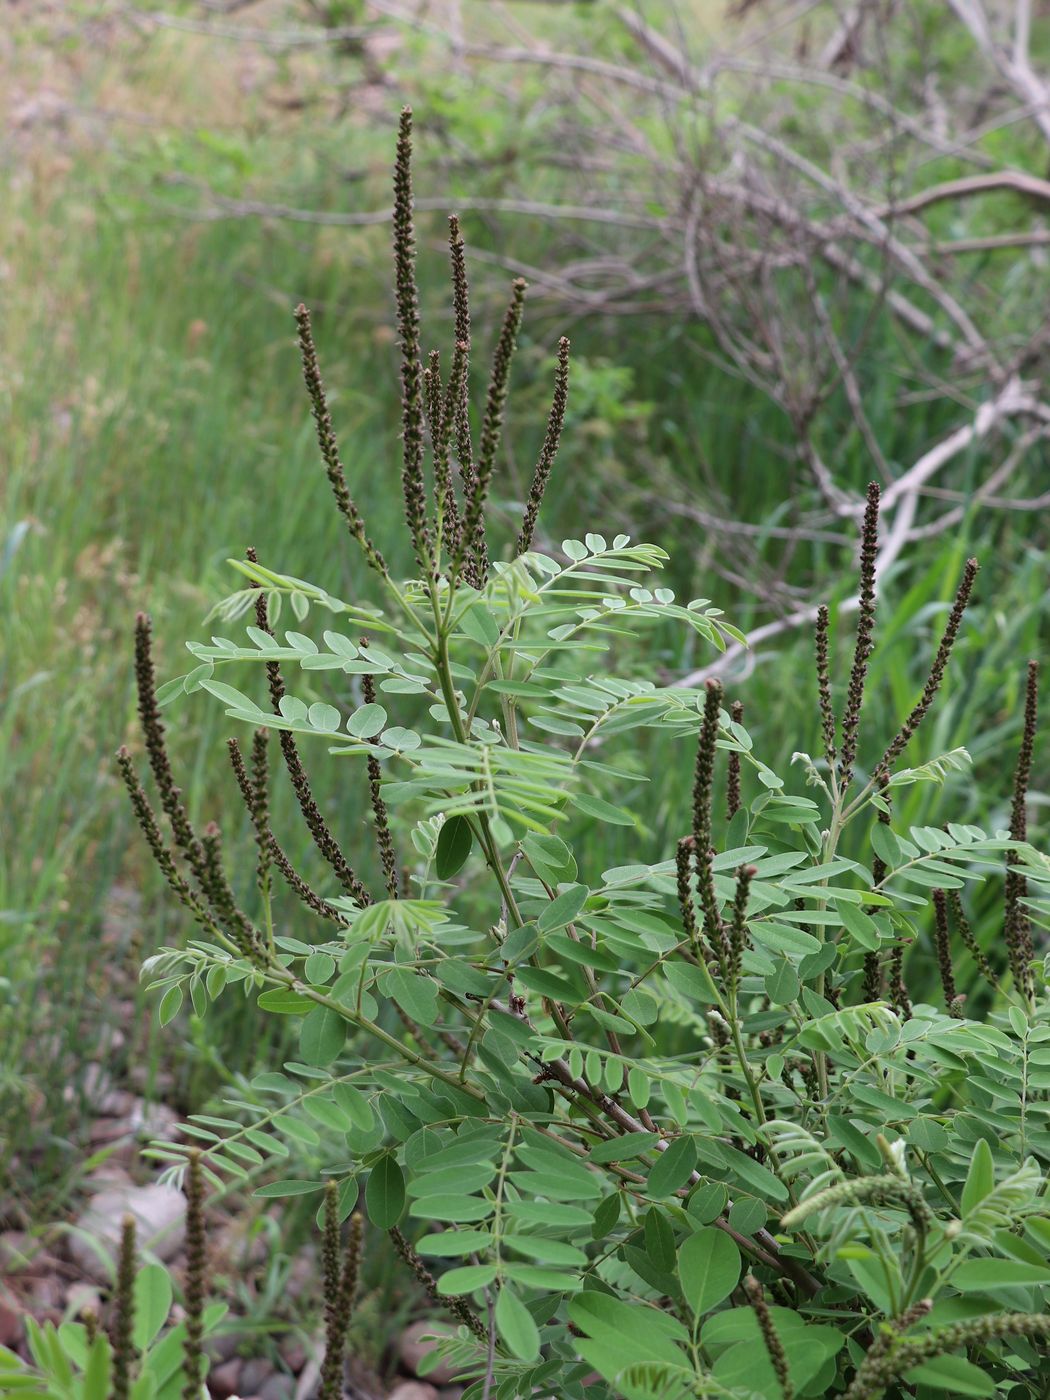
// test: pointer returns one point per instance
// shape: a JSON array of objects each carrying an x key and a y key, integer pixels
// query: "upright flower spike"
[
  {"x": 196, "y": 1268},
  {"x": 148, "y": 824},
  {"x": 326, "y": 440},
  {"x": 324, "y": 840},
  {"x": 703, "y": 782},
  {"x": 827, "y": 710},
  {"x": 473, "y": 539},
  {"x": 943, "y": 943},
  {"x": 445, "y": 512},
  {"x": 683, "y": 859},
  {"x": 738, "y": 925},
  {"x": 774, "y": 1346},
  {"x": 549, "y": 450},
  {"x": 124, "y": 1313},
  {"x": 340, "y": 1291},
  {"x": 457, "y": 393},
  {"x": 733, "y": 800},
  {"x": 157, "y": 749},
  {"x": 869, "y": 546},
  {"x": 295, "y": 881},
  {"x": 1017, "y": 925},
  {"x": 384, "y": 839},
  {"x": 407, "y": 301},
  {"x": 969, "y": 939},
  {"x": 937, "y": 669}
]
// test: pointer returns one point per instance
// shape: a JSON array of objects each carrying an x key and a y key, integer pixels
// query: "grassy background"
[{"x": 154, "y": 425}]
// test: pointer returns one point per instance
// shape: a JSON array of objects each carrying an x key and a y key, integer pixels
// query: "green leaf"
[
  {"x": 385, "y": 1193},
  {"x": 96, "y": 1370},
  {"x": 886, "y": 846},
  {"x": 859, "y": 925},
  {"x": 170, "y": 1004},
  {"x": 782, "y": 986},
  {"x": 453, "y": 847},
  {"x": 709, "y": 1267},
  {"x": 952, "y": 1373},
  {"x": 322, "y": 1036},
  {"x": 152, "y": 1303},
  {"x": 414, "y": 993},
  {"x": 366, "y": 722},
  {"x": 288, "y": 1188},
  {"x": 516, "y": 1326},
  {"x": 601, "y": 810},
  {"x": 673, "y": 1168},
  {"x": 563, "y": 908},
  {"x": 466, "y": 1279},
  {"x": 355, "y": 1106},
  {"x": 980, "y": 1179},
  {"x": 285, "y": 1002},
  {"x": 975, "y": 1275}
]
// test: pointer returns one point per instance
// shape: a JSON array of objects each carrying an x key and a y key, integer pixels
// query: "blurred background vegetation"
[{"x": 711, "y": 199}]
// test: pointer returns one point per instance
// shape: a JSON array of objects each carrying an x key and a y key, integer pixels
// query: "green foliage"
[
  {"x": 75, "y": 1362},
  {"x": 608, "y": 1092}
]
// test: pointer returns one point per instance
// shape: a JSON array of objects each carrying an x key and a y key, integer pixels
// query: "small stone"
[
  {"x": 278, "y": 1387},
  {"x": 413, "y": 1390},
  {"x": 450, "y": 1392},
  {"x": 222, "y": 1347},
  {"x": 293, "y": 1354},
  {"x": 255, "y": 1374},
  {"x": 413, "y": 1351},
  {"x": 82, "y": 1298},
  {"x": 224, "y": 1380},
  {"x": 159, "y": 1213},
  {"x": 12, "y": 1325}
]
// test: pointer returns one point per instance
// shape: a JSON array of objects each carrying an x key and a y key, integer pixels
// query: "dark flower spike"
[
  {"x": 940, "y": 663},
  {"x": 872, "y": 964},
  {"x": 899, "y": 997},
  {"x": 446, "y": 513},
  {"x": 473, "y": 540},
  {"x": 309, "y": 897},
  {"x": 869, "y": 545},
  {"x": 733, "y": 800},
  {"x": 326, "y": 440},
  {"x": 738, "y": 924},
  {"x": 1018, "y": 926},
  {"x": 774, "y": 1346},
  {"x": 340, "y": 1290},
  {"x": 969, "y": 941},
  {"x": 548, "y": 451},
  {"x": 683, "y": 869},
  {"x": 457, "y": 399},
  {"x": 703, "y": 781},
  {"x": 148, "y": 824},
  {"x": 827, "y": 711},
  {"x": 260, "y": 809},
  {"x": 407, "y": 301},
  {"x": 458, "y": 1306},
  {"x": 157, "y": 750},
  {"x": 124, "y": 1313},
  {"x": 196, "y": 1268},
  {"x": 382, "y": 821},
  {"x": 319, "y": 829},
  {"x": 217, "y": 889},
  {"x": 872, "y": 984},
  {"x": 943, "y": 943}
]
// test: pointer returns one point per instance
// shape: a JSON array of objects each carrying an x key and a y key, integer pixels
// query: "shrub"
[{"x": 678, "y": 1122}]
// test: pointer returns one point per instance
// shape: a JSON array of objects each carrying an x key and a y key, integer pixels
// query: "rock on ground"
[{"x": 159, "y": 1213}]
